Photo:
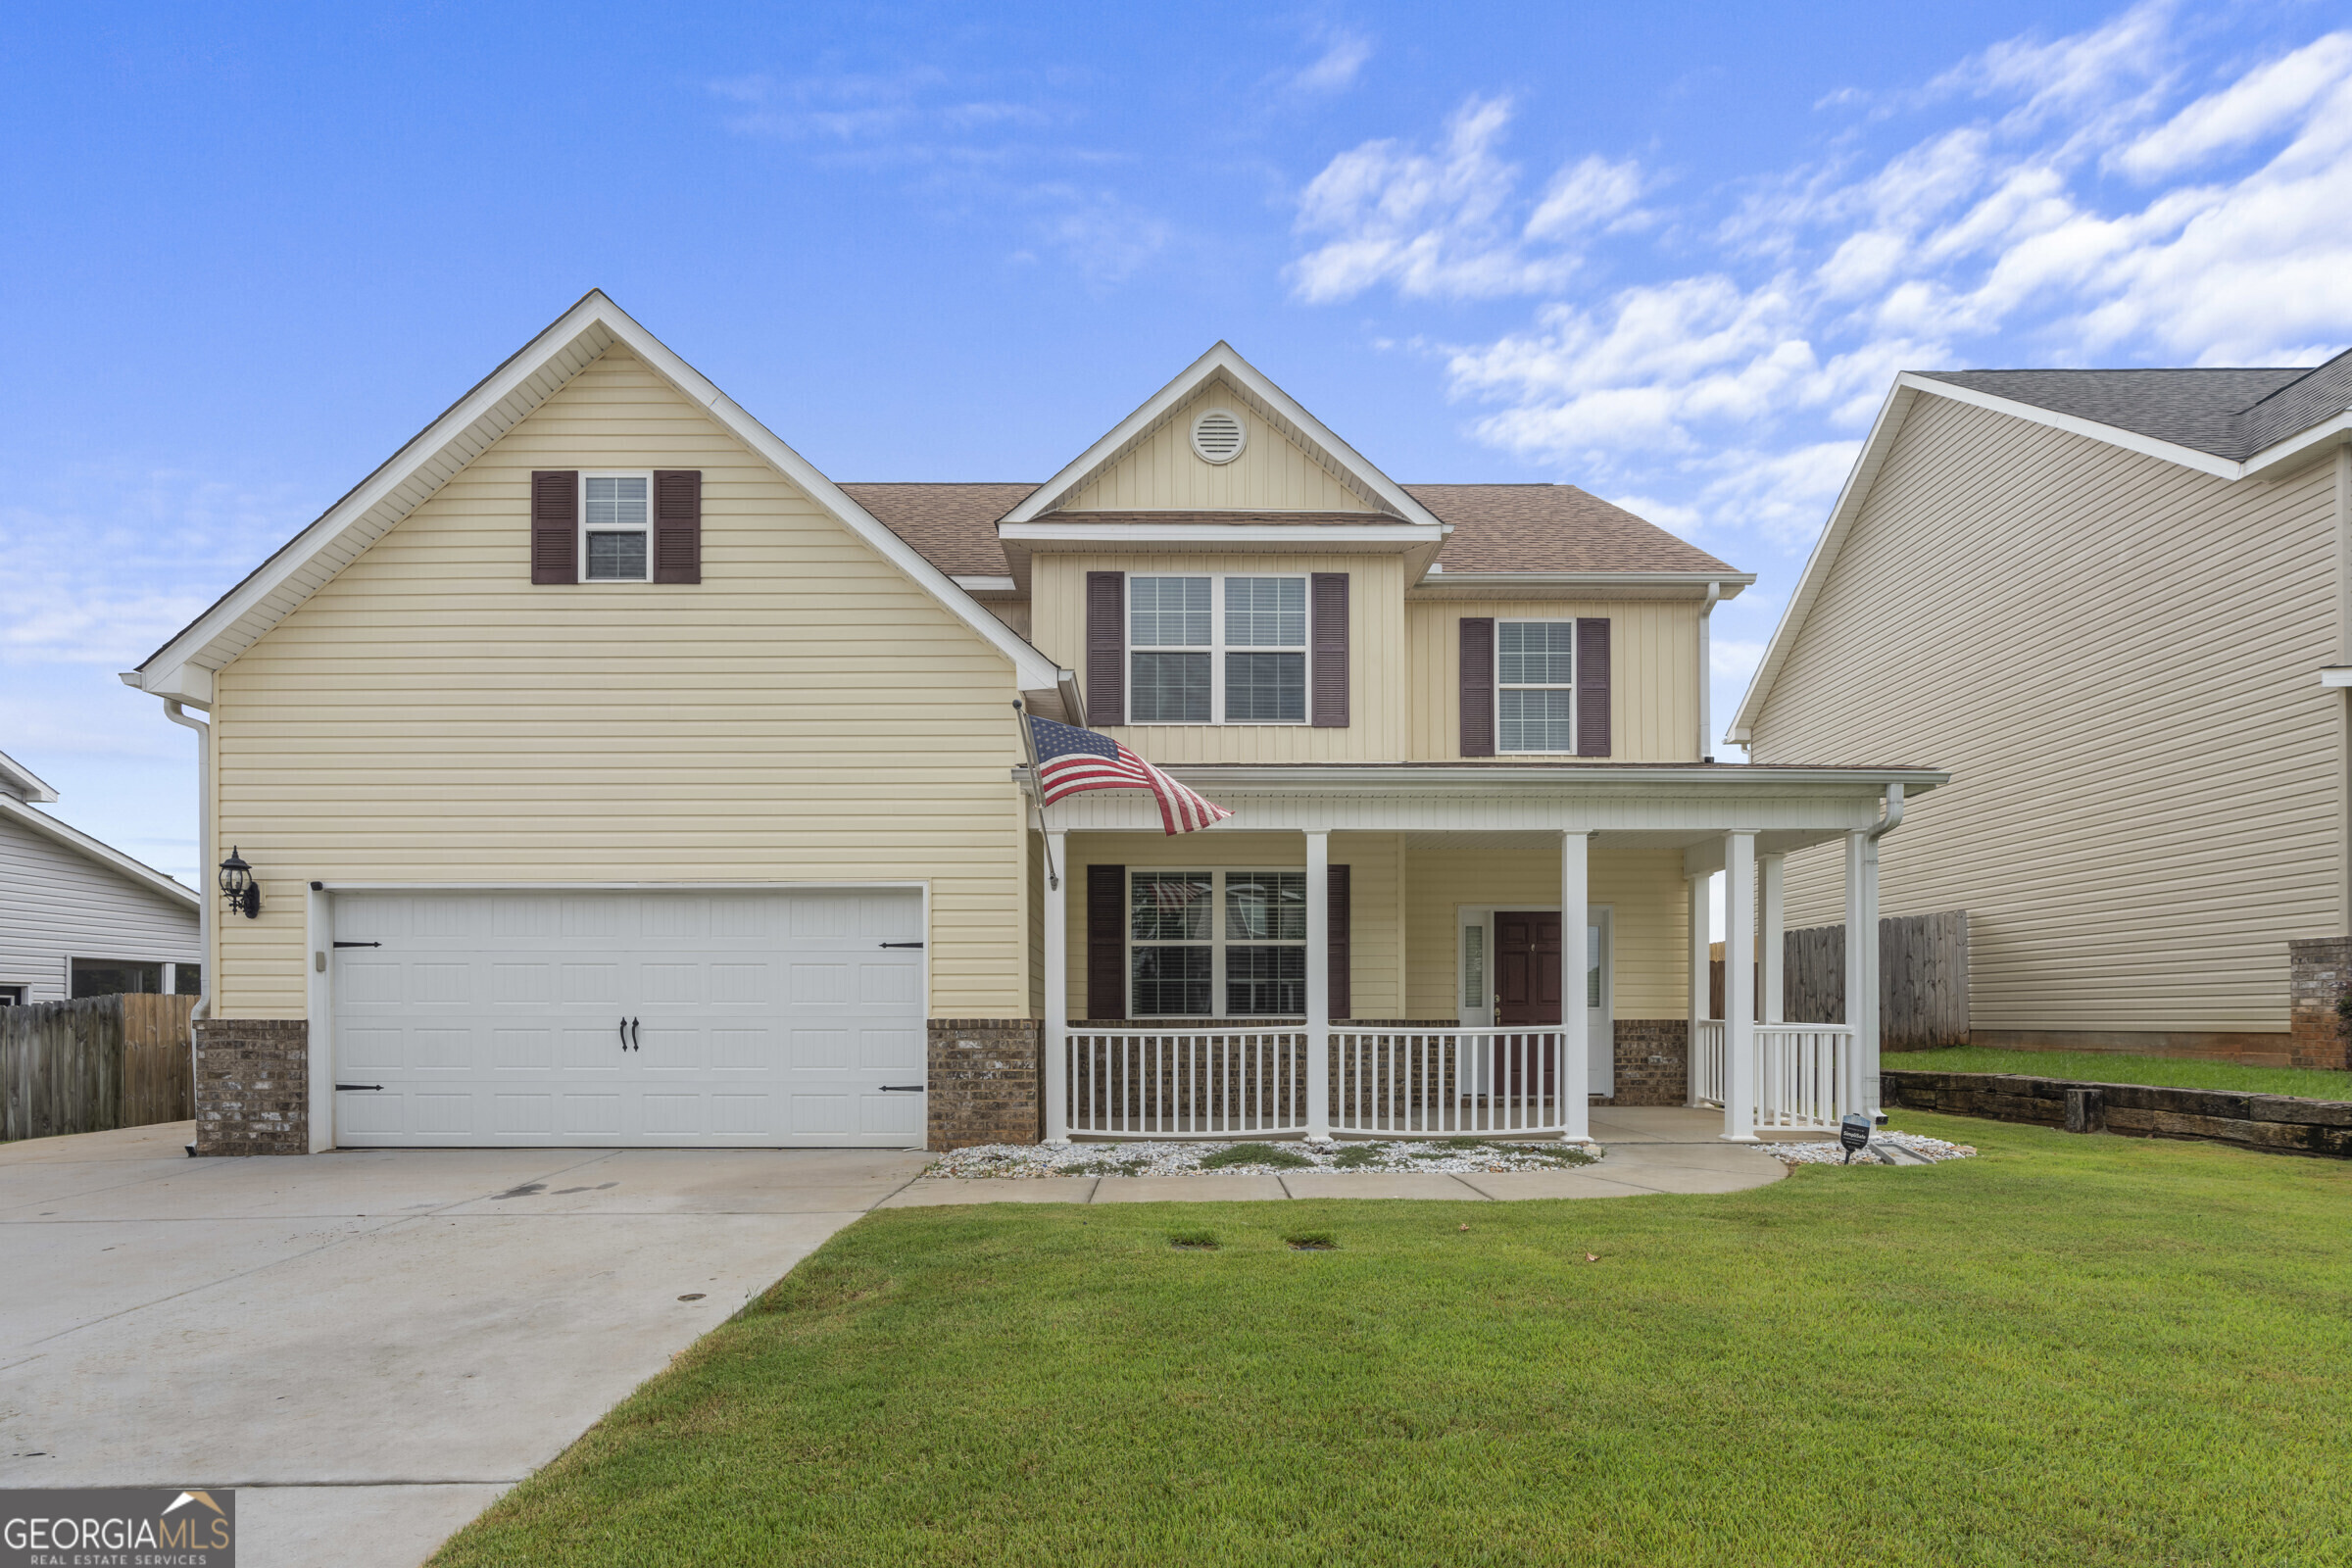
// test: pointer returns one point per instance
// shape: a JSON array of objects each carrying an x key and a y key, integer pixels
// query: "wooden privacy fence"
[
  {"x": 1923, "y": 979},
  {"x": 90, "y": 1065}
]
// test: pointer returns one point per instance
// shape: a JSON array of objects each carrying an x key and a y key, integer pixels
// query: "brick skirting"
[
  {"x": 2318, "y": 974},
  {"x": 2275, "y": 1123},
  {"x": 984, "y": 1082},
  {"x": 1654, "y": 1062},
  {"x": 253, "y": 1086}
]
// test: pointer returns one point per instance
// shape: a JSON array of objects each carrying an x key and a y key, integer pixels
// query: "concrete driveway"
[{"x": 370, "y": 1347}]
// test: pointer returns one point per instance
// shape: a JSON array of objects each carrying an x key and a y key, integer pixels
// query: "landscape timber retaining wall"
[{"x": 2278, "y": 1124}]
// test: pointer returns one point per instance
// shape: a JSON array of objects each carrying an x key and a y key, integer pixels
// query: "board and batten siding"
[
  {"x": 1163, "y": 473},
  {"x": 1643, "y": 888},
  {"x": 1376, "y": 896},
  {"x": 806, "y": 714},
  {"x": 2116, "y": 658},
  {"x": 1654, "y": 692},
  {"x": 57, "y": 906},
  {"x": 1375, "y": 731}
]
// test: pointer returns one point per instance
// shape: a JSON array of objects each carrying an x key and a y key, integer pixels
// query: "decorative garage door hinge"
[{"x": 902, "y": 943}]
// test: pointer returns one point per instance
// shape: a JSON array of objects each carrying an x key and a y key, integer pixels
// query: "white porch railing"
[
  {"x": 1800, "y": 1071},
  {"x": 1406, "y": 1083},
  {"x": 1172, "y": 1083}
]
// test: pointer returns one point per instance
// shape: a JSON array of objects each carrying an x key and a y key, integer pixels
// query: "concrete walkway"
[
  {"x": 1650, "y": 1149},
  {"x": 371, "y": 1345}
]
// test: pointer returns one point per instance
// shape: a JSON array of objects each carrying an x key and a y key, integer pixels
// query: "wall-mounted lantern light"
[{"x": 237, "y": 886}]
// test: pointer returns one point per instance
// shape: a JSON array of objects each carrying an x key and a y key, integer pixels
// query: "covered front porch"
[{"x": 1447, "y": 951}]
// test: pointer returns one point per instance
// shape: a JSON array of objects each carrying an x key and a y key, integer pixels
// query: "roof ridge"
[{"x": 2281, "y": 391}]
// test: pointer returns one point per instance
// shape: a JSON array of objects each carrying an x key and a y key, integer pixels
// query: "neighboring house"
[
  {"x": 613, "y": 776},
  {"x": 79, "y": 919},
  {"x": 2118, "y": 605}
]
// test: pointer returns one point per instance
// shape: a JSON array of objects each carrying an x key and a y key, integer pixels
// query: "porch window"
[
  {"x": 1203, "y": 646},
  {"x": 1535, "y": 678},
  {"x": 1196, "y": 938}
]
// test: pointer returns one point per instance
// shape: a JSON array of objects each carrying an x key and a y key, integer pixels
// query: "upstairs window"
[
  {"x": 1217, "y": 943},
  {"x": 1202, "y": 646},
  {"x": 1534, "y": 679},
  {"x": 616, "y": 527}
]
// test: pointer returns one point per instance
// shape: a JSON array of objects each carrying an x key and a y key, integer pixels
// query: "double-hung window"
[
  {"x": 1217, "y": 650},
  {"x": 616, "y": 527},
  {"x": 1216, "y": 944},
  {"x": 1535, "y": 680}
]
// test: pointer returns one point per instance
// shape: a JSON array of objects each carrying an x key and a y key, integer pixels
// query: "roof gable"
[
  {"x": 1274, "y": 471},
  {"x": 97, "y": 853},
  {"x": 184, "y": 667},
  {"x": 22, "y": 782}
]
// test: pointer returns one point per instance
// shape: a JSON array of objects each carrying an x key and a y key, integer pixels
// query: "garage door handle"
[
  {"x": 901, "y": 1089},
  {"x": 902, "y": 943},
  {"x": 339, "y": 1088},
  {"x": 635, "y": 1044},
  {"x": 623, "y": 1028},
  {"x": 359, "y": 944}
]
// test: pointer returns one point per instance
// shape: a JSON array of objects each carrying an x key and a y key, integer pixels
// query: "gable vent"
[{"x": 1219, "y": 435}]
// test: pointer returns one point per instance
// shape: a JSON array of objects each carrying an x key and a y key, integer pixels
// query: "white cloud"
[
  {"x": 2250, "y": 108},
  {"x": 1343, "y": 58}
]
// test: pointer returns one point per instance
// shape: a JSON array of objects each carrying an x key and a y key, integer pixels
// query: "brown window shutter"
[
  {"x": 1107, "y": 939},
  {"x": 555, "y": 525},
  {"x": 1327, "y": 592},
  {"x": 1478, "y": 686},
  {"x": 1340, "y": 924},
  {"x": 1591, "y": 687},
  {"x": 678, "y": 526},
  {"x": 1107, "y": 656}
]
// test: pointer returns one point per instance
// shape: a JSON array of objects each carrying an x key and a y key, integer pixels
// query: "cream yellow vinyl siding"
[
  {"x": 1376, "y": 892},
  {"x": 1643, "y": 889},
  {"x": 806, "y": 714},
  {"x": 1653, "y": 672},
  {"x": 2115, "y": 657},
  {"x": 1375, "y": 656},
  {"x": 1273, "y": 474}
]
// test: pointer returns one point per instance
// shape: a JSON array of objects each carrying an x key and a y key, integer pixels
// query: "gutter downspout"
[
  {"x": 204, "y": 903},
  {"x": 1706, "y": 671},
  {"x": 1866, "y": 1038}
]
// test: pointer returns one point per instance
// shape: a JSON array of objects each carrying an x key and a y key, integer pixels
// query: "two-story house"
[{"x": 608, "y": 776}]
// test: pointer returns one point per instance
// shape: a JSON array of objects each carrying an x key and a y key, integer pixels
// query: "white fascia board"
[
  {"x": 1696, "y": 581},
  {"x": 2075, "y": 424},
  {"x": 476, "y": 419},
  {"x": 1221, "y": 358},
  {"x": 2332, "y": 432},
  {"x": 2336, "y": 675},
  {"x": 1389, "y": 779},
  {"x": 1306, "y": 535},
  {"x": 105, "y": 855},
  {"x": 983, "y": 585},
  {"x": 18, "y": 780}
]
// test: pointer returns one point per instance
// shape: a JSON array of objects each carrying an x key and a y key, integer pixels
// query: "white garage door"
[{"x": 630, "y": 1018}]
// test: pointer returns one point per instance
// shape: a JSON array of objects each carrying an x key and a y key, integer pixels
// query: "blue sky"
[{"x": 1672, "y": 254}]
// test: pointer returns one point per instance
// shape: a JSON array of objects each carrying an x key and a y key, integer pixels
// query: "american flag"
[{"x": 1070, "y": 759}]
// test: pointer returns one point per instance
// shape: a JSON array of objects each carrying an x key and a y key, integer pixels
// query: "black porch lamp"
[{"x": 237, "y": 886}]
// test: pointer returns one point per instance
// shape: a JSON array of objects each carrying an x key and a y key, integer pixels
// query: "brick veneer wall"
[
  {"x": 985, "y": 1082},
  {"x": 253, "y": 1086},
  {"x": 2318, "y": 974},
  {"x": 1654, "y": 1062}
]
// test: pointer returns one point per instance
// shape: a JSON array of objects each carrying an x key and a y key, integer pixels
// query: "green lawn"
[
  {"x": 2103, "y": 1068},
  {"x": 2073, "y": 1351}
]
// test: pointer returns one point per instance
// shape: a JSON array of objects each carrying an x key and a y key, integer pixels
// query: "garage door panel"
[{"x": 619, "y": 1018}]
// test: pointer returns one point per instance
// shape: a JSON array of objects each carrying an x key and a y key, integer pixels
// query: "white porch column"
[
  {"x": 1772, "y": 871},
  {"x": 1575, "y": 1026},
  {"x": 1740, "y": 987},
  {"x": 1861, "y": 982},
  {"x": 1318, "y": 988},
  {"x": 1702, "y": 1001},
  {"x": 1057, "y": 991},
  {"x": 1866, "y": 1044}
]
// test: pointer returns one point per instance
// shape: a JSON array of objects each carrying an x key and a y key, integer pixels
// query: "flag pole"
[{"x": 1038, "y": 788}]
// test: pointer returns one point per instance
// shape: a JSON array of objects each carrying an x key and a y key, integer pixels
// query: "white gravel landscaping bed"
[
  {"x": 1889, "y": 1148},
  {"x": 1450, "y": 1156}
]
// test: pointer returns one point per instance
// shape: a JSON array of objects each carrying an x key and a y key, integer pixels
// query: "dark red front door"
[{"x": 1527, "y": 967}]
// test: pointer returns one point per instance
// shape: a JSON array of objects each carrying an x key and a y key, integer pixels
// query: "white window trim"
[
  {"x": 1217, "y": 649},
  {"x": 1576, "y": 670},
  {"x": 1216, "y": 943},
  {"x": 586, "y": 474}
]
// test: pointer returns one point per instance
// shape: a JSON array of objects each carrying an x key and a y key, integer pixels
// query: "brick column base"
[
  {"x": 2318, "y": 974},
  {"x": 253, "y": 1086},
  {"x": 984, "y": 1082},
  {"x": 1654, "y": 1062}
]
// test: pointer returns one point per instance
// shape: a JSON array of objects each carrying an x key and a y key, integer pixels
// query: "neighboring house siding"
[
  {"x": 1644, "y": 890},
  {"x": 1164, "y": 474},
  {"x": 806, "y": 714},
  {"x": 57, "y": 906},
  {"x": 1654, "y": 694},
  {"x": 2116, "y": 658},
  {"x": 1376, "y": 657}
]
